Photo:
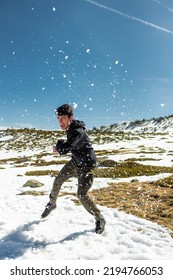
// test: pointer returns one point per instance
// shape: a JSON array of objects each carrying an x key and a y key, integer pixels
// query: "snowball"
[{"x": 75, "y": 105}]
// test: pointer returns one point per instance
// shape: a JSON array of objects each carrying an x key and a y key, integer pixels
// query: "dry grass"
[{"x": 145, "y": 200}]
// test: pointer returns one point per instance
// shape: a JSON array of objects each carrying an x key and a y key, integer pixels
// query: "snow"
[
  {"x": 6, "y": 138},
  {"x": 68, "y": 232}
]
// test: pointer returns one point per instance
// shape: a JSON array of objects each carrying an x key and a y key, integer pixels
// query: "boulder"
[{"x": 33, "y": 184}]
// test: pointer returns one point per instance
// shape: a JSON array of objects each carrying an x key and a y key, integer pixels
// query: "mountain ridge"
[
  {"x": 160, "y": 124},
  {"x": 153, "y": 125}
]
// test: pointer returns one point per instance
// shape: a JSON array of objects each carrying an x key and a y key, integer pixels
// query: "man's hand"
[
  {"x": 54, "y": 149},
  {"x": 58, "y": 145}
]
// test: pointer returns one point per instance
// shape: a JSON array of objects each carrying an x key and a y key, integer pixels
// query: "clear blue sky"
[{"x": 111, "y": 59}]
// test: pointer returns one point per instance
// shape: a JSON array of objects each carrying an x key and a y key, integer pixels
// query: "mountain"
[{"x": 161, "y": 124}]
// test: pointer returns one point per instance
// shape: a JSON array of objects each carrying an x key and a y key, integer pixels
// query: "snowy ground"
[{"x": 68, "y": 233}]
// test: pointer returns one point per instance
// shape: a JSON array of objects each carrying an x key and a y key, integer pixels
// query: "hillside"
[{"x": 161, "y": 124}]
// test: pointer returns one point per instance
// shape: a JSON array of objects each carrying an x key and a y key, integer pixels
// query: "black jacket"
[{"x": 78, "y": 143}]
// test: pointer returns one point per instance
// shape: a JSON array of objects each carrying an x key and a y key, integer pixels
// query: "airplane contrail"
[
  {"x": 130, "y": 17},
  {"x": 165, "y": 6}
]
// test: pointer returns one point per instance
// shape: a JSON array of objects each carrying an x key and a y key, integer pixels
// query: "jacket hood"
[{"x": 77, "y": 124}]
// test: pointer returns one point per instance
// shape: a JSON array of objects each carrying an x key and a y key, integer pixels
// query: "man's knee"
[
  {"x": 85, "y": 183},
  {"x": 81, "y": 195}
]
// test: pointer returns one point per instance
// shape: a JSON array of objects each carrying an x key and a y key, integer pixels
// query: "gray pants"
[{"x": 85, "y": 180}]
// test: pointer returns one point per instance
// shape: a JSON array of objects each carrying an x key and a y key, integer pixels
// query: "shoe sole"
[{"x": 47, "y": 214}]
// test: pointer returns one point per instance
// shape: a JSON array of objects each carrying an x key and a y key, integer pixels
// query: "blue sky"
[{"x": 110, "y": 59}]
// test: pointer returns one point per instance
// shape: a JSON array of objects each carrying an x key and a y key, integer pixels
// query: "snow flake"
[
  {"x": 54, "y": 9},
  {"x": 88, "y": 51}
]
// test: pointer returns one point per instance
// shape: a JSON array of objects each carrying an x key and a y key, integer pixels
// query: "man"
[{"x": 81, "y": 164}]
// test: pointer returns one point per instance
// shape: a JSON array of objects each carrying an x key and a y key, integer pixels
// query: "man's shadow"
[{"x": 16, "y": 243}]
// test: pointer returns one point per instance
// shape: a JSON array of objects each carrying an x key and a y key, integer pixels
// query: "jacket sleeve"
[{"x": 74, "y": 140}]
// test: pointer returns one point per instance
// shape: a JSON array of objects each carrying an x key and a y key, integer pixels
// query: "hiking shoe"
[
  {"x": 100, "y": 225},
  {"x": 48, "y": 209}
]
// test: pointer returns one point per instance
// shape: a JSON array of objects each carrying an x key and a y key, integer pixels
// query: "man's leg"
[
  {"x": 85, "y": 181},
  {"x": 66, "y": 172}
]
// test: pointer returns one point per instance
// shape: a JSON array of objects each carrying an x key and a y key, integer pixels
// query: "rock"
[
  {"x": 33, "y": 184},
  {"x": 134, "y": 180}
]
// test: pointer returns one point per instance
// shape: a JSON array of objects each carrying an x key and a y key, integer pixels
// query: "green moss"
[
  {"x": 34, "y": 193},
  {"x": 130, "y": 169},
  {"x": 41, "y": 173},
  {"x": 106, "y": 162},
  {"x": 21, "y": 165},
  {"x": 119, "y": 170},
  {"x": 47, "y": 163},
  {"x": 142, "y": 159}
]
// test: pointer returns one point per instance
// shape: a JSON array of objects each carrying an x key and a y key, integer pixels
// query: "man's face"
[{"x": 64, "y": 121}]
